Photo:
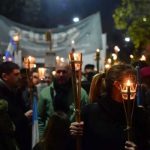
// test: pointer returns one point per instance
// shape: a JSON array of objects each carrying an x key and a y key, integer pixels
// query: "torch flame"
[{"x": 128, "y": 83}]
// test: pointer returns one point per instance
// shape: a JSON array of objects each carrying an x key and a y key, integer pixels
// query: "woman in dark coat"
[{"x": 104, "y": 122}]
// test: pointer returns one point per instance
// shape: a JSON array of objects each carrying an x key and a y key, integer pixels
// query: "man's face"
[
  {"x": 12, "y": 79},
  {"x": 62, "y": 74}
]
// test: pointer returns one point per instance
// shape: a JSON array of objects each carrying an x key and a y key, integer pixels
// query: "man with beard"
[{"x": 58, "y": 96}]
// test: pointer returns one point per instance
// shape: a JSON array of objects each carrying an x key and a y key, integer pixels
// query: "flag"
[
  {"x": 10, "y": 49},
  {"x": 35, "y": 130}
]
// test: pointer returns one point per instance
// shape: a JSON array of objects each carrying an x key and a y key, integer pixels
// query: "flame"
[{"x": 128, "y": 83}]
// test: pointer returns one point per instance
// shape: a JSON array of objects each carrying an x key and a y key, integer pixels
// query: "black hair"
[
  {"x": 89, "y": 66},
  {"x": 7, "y": 67}
]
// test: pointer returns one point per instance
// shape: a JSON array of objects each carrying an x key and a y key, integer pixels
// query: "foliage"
[
  {"x": 133, "y": 17},
  {"x": 139, "y": 32}
]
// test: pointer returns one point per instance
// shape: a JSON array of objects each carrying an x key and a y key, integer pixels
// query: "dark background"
[{"x": 55, "y": 13}]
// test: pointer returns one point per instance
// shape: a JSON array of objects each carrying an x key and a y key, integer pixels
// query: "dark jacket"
[
  {"x": 105, "y": 124},
  {"x": 7, "y": 139},
  {"x": 15, "y": 111}
]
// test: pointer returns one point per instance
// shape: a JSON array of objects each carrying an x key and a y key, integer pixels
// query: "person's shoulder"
[
  {"x": 47, "y": 88},
  {"x": 83, "y": 91},
  {"x": 96, "y": 106}
]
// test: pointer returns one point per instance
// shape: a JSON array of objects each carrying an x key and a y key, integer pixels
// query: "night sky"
[
  {"x": 58, "y": 12},
  {"x": 62, "y": 11}
]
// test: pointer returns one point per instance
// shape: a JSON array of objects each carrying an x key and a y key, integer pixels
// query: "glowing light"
[
  {"x": 4, "y": 57},
  {"x": 117, "y": 49},
  {"x": 127, "y": 39},
  {"x": 114, "y": 56},
  {"x": 109, "y": 60},
  {"x": 144, "y": 19},
  {"x": 62, "y": 59},
  {"x": 16, "y": 37},
  {"x": 53, "y": 73},
  {"x": 41, "y": 72},
  {"x": 29, "y": 62},
  {"x": 76, "y": 19},
  {"x": 77, "y": 59},
  {"x": 107, "y": 66},
  {"x": 97, "y": 50},
  {"x": 73, "y": 42},
  {"x": 143, "y": 58},
  {"x": 131, "y": 56},
  {"x": 128, "y": 83},
  {"x": 128, "y": 88}
]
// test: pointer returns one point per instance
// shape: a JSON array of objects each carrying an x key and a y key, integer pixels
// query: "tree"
[{"x": 133, "y": 18}]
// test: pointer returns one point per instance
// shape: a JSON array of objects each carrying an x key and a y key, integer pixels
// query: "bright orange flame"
[{"x": 128, "y": 83}]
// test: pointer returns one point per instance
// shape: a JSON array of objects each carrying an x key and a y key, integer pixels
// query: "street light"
[
  {"x": 127, "y": 39},
  {"x": 116, "y": 49},
  {"x": 76, "y": 19}
]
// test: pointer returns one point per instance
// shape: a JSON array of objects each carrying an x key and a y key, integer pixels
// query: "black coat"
[
  {"x": 104, "y": 126},
  {"x": 7, "y": 139},
  {"x": 15, "y": 111}
]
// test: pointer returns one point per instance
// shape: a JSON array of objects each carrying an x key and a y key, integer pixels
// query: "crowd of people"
[{"x": 103, "y": 122}]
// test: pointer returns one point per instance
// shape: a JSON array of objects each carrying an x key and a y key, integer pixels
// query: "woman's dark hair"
[
  {"x": 57, "y": 132},
  {"x": 116, "y": 73}
]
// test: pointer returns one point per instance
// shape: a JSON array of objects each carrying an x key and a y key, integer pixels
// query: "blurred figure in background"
[
  {"x": 48, "y": 78},
  {"x": 89, "y": 72},
  {"x": 34, "y": 78},
  {"x": 97, "y": 87},
  {"x": 46, "y": 81}
]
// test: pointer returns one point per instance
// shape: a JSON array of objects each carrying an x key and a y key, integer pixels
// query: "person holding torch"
[
  {"x": 112, "y": 122},
  {"x": 58, "y": 96}
]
